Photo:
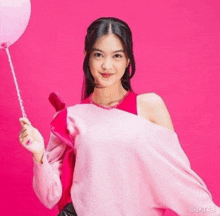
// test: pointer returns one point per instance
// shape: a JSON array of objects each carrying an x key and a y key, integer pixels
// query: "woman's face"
[{"x": 108, "y": 56}]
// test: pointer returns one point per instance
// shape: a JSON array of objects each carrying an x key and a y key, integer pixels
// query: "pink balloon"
[{"x": 14, "y": 18}]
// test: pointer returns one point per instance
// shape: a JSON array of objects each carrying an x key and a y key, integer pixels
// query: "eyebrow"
[{"x": 121, "y": 50}]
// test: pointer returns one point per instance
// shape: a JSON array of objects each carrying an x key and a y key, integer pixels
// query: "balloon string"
[{"x": 16, "y": 83}]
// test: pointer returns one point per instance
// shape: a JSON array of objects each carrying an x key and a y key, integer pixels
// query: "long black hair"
[{"x": 97, "y": 29}]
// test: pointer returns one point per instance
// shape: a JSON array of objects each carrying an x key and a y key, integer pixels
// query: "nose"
[{"x": 107, "y": 64}]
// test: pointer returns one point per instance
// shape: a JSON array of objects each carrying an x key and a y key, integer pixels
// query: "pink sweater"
[
  {"x": 128, "y": 104},
  {"x": 125, "y": 166}
]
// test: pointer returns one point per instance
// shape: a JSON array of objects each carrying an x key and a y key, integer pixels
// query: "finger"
[
  {"x": 24, "y": 121},
  {"x": 21, "y": 121},
  {"x": 27, "y": 127},
  {"x": 23, "y": 136},
  {"x": 25, "y": 133},
  {"x": 26, "y": 141},
  {"x": 23, "y": 130}
]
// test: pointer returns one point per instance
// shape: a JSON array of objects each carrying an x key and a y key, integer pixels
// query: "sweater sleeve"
[
  {"x": 176, "y": 185},
  {"x": 46, "y": 180},
  {"x": 47, "y": 176}
]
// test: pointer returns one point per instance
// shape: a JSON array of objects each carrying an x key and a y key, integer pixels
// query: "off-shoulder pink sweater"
[{"x": 125, "y": 166}]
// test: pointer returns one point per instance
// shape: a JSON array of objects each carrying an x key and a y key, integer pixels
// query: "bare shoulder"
[
  {"x": 152, "y": 107},
  {"x": 145, "y": 103},
  {"x": 150, "y": 98}
]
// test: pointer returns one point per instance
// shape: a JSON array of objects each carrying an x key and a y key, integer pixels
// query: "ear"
[
  {"x": 128, "y": 61},
  {"x": 84, "y": 52}
]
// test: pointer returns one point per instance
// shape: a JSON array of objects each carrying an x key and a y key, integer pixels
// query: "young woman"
[{"x": 124, "y": 155}]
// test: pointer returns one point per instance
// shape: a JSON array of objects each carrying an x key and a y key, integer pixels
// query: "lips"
[{"x": 106, "y": 75}]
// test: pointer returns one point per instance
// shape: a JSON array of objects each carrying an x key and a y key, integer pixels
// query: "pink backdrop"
[{"x": 176, "y": 47}]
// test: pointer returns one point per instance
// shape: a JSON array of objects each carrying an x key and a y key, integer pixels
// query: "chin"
[{"x": 105, "y": 84}]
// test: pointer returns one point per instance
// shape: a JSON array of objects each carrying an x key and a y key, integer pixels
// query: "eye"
[
  {"x": 97, "y": 54},
  {"x": 120, "y": 56}
]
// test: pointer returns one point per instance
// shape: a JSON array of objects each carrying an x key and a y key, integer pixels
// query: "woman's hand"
[{"x": 30, "y": 138}]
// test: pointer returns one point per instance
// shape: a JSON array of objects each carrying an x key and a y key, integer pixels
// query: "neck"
[{"x": 108, "y": 96}]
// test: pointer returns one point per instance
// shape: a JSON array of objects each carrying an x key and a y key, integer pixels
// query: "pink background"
[{"x": 176, "y": 47}]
